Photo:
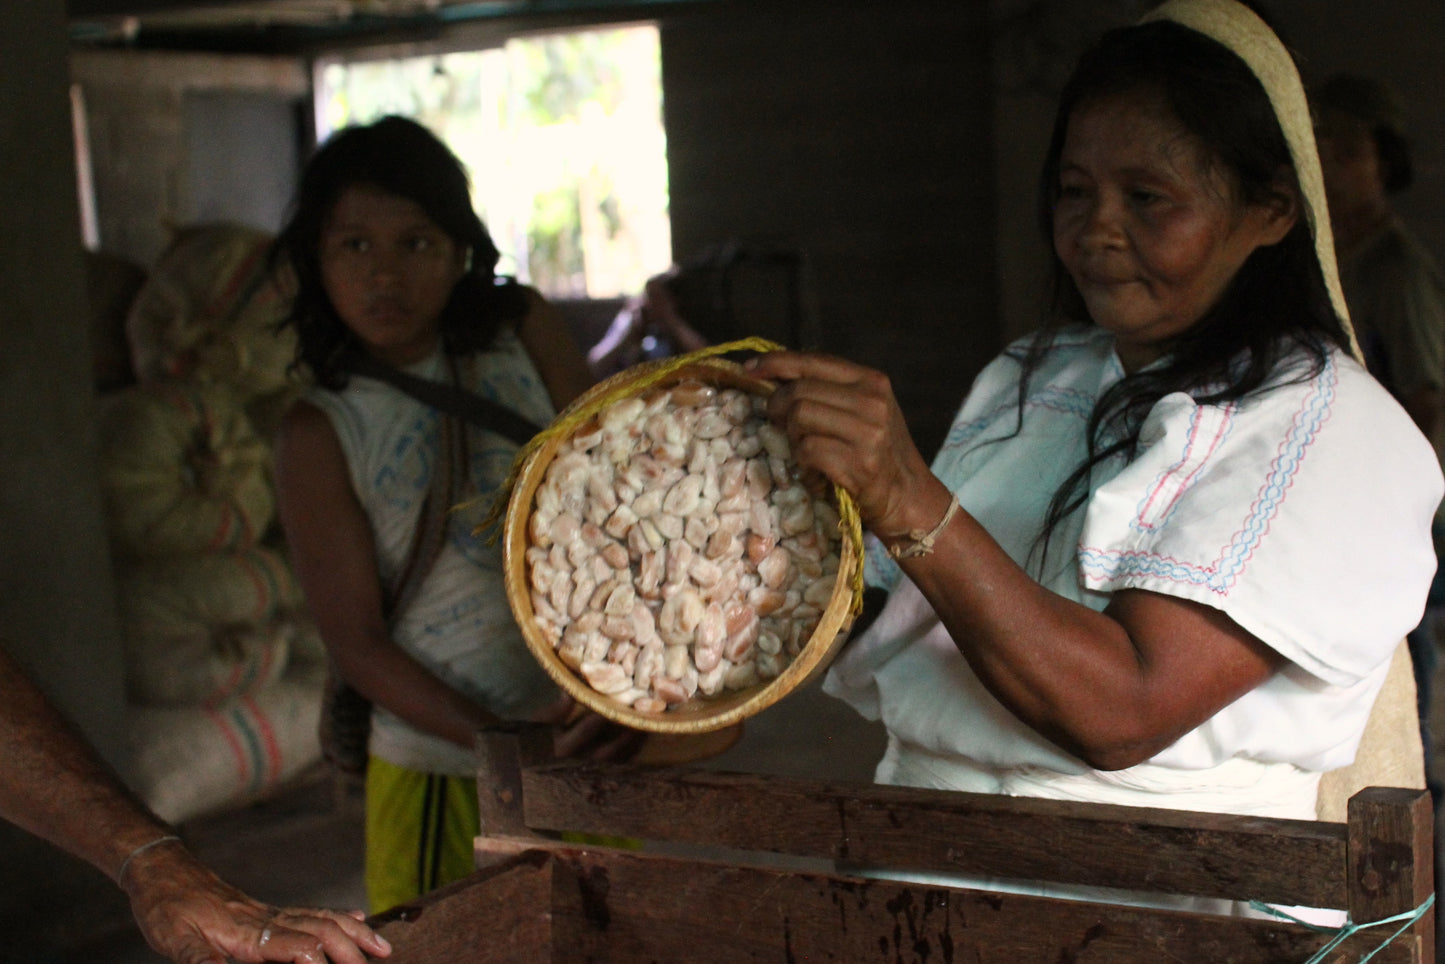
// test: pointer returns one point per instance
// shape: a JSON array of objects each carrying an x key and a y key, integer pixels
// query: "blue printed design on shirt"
[
  {"x": 505, "y": 377},
  {"x": 491, "y": 461},
  {"x": 402, "y": 480}
]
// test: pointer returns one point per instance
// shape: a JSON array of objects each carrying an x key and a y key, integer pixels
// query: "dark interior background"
[{"x": 891, "y": 146}]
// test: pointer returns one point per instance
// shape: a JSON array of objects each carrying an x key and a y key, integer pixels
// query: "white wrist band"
[
  {"x": 120, "y": 874},
  {"x": 921, "y": 543}
]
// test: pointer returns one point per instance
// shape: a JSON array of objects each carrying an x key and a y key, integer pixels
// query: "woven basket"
[{"x": 700, "y": 714}]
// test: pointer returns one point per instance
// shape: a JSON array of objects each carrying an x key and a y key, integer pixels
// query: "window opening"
[{"x": 562, "y": 136}]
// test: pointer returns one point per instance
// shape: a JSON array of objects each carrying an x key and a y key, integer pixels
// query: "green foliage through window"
[{"x": 562, "y": 135}]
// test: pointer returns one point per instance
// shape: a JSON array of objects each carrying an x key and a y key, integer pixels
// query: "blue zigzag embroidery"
[
  {"x": 1070, "y": 401},
  {"x": 1220, "y": 576}
]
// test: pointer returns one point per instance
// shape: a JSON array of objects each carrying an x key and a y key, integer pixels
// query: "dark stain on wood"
[
  {"x": 915, "y": 927},
  {"x": 841, "y": 805},
  {"x": 593, "y": 885},
  {"x": 1070, "y": 955}
]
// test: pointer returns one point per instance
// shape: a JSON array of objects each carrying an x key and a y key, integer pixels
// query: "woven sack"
[
  {"x": 209, "y": 312},
  {"x": 204, "y": 628},
  {"x": 187, "y": 762},
  {"x": 306, "y": 645},
  {"x": 182, "y": 471}
]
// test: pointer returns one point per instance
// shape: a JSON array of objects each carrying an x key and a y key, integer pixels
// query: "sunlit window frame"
[{"x": 651, "y": 250}]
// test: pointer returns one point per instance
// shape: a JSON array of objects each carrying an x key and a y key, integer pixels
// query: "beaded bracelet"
[
  {"x": 921, "y": 543},
  {"x": 120, "y": 874}
]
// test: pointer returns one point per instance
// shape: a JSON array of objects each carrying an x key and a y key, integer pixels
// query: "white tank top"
[{"x": 459, "y": 625}]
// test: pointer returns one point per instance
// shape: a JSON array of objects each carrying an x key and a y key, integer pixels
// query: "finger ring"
[{"x": 265, "y": 936}]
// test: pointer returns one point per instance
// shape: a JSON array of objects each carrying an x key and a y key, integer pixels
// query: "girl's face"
[
  {"x": 389, "y": 270},
  {"x": 1150, "y": 233}
]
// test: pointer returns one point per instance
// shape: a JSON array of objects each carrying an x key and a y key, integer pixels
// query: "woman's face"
[
  {"x": 1150, "y": 233},
  {"x": 389, "y": 270}
]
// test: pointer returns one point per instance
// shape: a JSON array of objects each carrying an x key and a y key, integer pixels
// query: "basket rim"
[{"x": 700, "y": 714}]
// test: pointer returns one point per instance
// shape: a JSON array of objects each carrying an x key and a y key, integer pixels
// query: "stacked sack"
[
  {"x": 208, "y": 314},
  {"x": 223, "y": 669}
]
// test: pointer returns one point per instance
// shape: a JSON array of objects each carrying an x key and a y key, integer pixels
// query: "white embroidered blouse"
[{"x": 1302, "y": 511}]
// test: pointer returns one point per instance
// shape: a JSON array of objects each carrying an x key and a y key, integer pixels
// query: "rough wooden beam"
[{"x": 982, "y": 835}]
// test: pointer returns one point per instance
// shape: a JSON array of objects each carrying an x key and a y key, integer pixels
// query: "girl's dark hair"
[
  {"x": 401, "y": 157},
  {"x": 1276, "y": 303}
]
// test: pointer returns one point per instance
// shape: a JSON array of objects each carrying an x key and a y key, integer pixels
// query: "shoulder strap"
[
  {"x": 450, "y": 399},
  {"x": 445, "y": 491}
]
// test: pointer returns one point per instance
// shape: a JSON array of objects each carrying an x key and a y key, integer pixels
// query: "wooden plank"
[
  {"x": 1295, "y": 863},
  {"x": 621, "y": 906},
  {"x": 502, "y": 751},
  {"x": 499, "y": 915},
  {"x": 1391, "y": 862}
]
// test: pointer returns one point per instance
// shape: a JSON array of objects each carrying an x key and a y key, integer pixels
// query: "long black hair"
[
  {"x": 1278, "y": 301},
  {"x": 401, "y": 157}
]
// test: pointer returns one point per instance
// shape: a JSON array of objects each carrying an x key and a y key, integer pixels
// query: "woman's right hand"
[{"x": 844, "y": 422}]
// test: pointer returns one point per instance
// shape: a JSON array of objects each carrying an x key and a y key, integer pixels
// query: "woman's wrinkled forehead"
[{"x": 1165, "y": 137}]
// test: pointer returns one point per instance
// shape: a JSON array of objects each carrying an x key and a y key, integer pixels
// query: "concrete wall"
[
  {"x": 57, "y": 608},
  {"x": 177, "y": 139},
  {"x": 861, "y": 140}
]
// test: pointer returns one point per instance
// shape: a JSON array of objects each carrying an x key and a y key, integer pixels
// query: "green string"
[{"x": 1350, "y": 928}]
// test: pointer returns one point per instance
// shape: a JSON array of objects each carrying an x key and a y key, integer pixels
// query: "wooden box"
[{"x": 733, "y": 868}]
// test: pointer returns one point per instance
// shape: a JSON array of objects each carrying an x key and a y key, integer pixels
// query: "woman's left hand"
[{"x": 844, "y": 423}]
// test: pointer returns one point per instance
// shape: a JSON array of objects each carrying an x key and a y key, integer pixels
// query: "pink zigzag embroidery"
[{"x": 1219, "y": 576}]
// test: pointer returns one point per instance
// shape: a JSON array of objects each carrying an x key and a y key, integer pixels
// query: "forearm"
[
  {"x": 1111, "y": 687},
  {"x": 389, "y": 677},
  {"x": 55, "y": 786},
  {"x": 1052, "y": 661}
]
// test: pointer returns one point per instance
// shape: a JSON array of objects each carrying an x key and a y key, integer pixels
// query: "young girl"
[
  {"x": 392, "y": 263},
  {"x": 1172, "y": 541}
]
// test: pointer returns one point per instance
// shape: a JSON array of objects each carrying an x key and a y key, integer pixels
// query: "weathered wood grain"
[
  {"x": 1390, "y": 831},
  {"x": 502, "y": 914},
  {"x": 980, "y": 835},
  {"x": 741, "y": 868},
  {"x": 619, "y": 906}
]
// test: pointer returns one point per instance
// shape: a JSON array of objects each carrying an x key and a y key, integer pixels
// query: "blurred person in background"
[{"x": 1394, "y": 287}]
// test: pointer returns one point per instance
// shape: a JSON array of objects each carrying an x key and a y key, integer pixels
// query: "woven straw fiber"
[{"x": 701, "y": 714}]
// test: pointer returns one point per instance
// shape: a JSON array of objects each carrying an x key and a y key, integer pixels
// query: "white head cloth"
[{"x": 1250, "y": 38}]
